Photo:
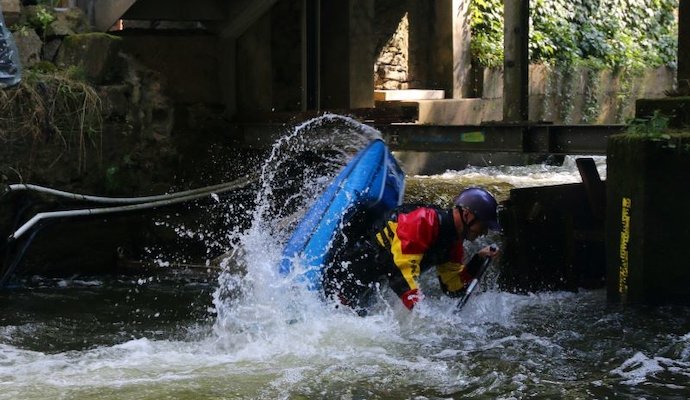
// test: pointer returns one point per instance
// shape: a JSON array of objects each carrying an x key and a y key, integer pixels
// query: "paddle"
[{"x": 475, "y": 282}]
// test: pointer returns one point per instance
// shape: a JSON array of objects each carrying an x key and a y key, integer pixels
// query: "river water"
[{"x": 183, "y": 334}]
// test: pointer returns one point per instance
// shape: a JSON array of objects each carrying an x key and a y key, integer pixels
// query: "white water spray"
[{"x": 300, "y": 165}]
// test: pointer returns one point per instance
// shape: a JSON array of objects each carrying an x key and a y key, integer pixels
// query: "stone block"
[
  {"x": 11, "y": 10},
  {"x": 51, "y": 48},
  {"x": 29, "y": 47},
  {"x": 116, "y": 100},
  {"x": 67, "y": 22},
  {"x": 95, "y": 53}
]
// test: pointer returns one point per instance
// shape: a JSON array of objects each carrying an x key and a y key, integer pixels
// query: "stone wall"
[
  {"x": 152, "y": 101},
  {"x": 391, "y": 68}
]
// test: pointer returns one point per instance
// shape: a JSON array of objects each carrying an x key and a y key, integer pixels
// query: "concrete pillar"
[
  {"x": 347, "y": 54},
  {"x": 646, "y": 222},
  {"x": 419, "y": 43},
  {"x": 516, "y": 61},
  {"x": 441, "y": 57},
  {"x": 254, "y": 68},
  {"x": 234, "y": 46},
  {"x": 430, "y": 45},
  {"x": 311, "y": 37},
  {"x": 228, "y": 71},
  {"x": 684, "y": 46},
  {"x": 462, "y": 57}
]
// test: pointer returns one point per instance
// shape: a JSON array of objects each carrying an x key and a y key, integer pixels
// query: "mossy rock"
[
  {"x": 69, "y": 22},
  {"x": 670, "y": 144},
  {"x": 97, "y": 54},
  {"x": 677, "y": 109},
  {"x": 45, "y": 67}
]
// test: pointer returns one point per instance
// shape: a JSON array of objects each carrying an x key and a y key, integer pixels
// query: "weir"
[
  {"x": 442, "y": 113},
  {"x": 196, "y": 94}
]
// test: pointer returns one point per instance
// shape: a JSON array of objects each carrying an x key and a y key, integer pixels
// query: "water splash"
[{"x": 300, "y": 165}]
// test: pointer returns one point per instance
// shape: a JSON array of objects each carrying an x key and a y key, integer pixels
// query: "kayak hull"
[{"x": 371, "y": 180}]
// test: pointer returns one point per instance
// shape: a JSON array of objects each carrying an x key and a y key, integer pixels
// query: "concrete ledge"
[
  {"x": 460, "y": 111},
  {"x": 410, "y": 94}
]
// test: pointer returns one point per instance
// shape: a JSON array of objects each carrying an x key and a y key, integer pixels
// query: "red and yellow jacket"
[{"x": 417, "y": 238}]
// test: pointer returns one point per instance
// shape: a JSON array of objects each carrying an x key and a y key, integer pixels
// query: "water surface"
[{"x": 205, "y": 334}]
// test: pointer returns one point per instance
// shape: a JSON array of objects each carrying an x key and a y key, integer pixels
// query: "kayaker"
[{"x": 407, "y": 241}]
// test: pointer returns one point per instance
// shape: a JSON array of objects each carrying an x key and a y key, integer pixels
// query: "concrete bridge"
[
  {"x": 264, "y": 58},
  {"x": 232, "y": 16}
]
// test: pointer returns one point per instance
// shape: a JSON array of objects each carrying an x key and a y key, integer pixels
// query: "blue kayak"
[{"x": 371, "y": 180}]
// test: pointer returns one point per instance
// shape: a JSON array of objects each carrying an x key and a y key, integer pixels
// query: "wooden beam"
[
  {"x": 177, "y": 10},
  {"x": 107, "y": 12},
  {"x": 516, "y": 61},
  {"x": 242, "y": 14}
]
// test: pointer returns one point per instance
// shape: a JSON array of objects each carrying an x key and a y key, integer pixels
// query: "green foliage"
[
  {"x": 53, "y": 108},
  {"x": 655, "y": 126},
  {"x": 43, "y": 18},
  {"x": 486, "y": 22},
  {"x": 619, "y": 34}
]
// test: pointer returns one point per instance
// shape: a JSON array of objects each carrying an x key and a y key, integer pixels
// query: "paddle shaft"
[{"x": 475, "y": 282}]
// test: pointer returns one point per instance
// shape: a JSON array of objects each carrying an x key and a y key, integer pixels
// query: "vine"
[
  {"x": 591, "y": 107},
  {"x": 618, "y": 34},
  {"x": 624, "y": 36}
]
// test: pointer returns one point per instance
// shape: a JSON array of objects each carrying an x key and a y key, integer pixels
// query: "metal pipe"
[
  {"x": 239, "y": 183},
  {"x": 121, "y": 200}
]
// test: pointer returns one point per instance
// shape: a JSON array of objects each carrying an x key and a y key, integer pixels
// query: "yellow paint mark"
[{"x": 625, "y": 238}]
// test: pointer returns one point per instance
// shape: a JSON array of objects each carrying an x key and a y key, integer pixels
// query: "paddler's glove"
[{"x": 410, "y": 298}]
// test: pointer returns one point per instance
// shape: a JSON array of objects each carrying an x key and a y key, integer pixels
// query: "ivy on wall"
[{"x": 627, "y": 34}]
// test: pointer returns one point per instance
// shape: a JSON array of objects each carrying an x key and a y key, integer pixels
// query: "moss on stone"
[
  {"x": 675, "y": 109},
  {"x": 96, "y": 53}
]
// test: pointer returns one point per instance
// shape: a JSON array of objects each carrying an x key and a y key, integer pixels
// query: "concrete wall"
[{"x": 580, "y": 96}]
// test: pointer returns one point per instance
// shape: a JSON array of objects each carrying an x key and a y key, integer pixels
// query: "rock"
[
  {"x": 96, "y": 53},
  {"x": 11, "y": 10},
  {"x": 68, "y": 22},
  {"x": 45, "y": 67},
  {"x": 50, "y": 49},
  {"x": 116, "y": 100},
  {"x": 29, "y": 47}
]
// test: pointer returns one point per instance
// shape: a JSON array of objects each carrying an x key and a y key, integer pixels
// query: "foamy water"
[{"x": 257, "y": 335}]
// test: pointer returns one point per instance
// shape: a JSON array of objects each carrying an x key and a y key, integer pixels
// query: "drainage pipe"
[
  {"x": 164, "y": 200},
  {"x": 120, "y": 200}
]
